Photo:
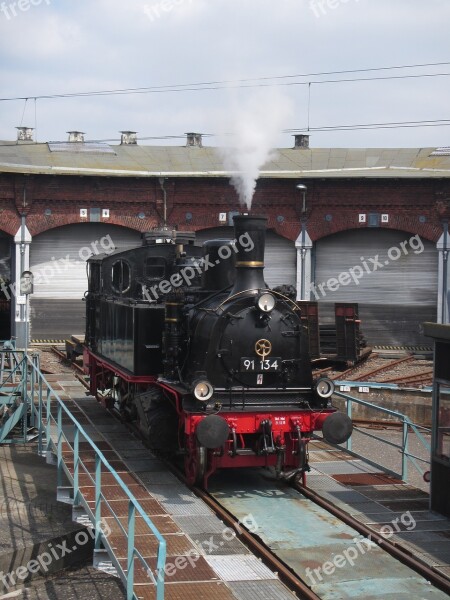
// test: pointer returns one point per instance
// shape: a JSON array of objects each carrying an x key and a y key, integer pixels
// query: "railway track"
[
  {"x": 407, "y": 371},
  {"x": 233, "y": 500},
  {"x": 231, "y": 507},
  {"x": 63, "y": 356},
  {"x": 286, "y": 575}
]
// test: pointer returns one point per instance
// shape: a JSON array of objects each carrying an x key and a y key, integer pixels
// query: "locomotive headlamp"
[
  {"x": 324, "y": 387},
  {"x": 266, "y": 302},
  {"x": 203, "y": 390}
]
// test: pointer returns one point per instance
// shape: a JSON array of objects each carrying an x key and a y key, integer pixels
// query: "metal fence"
[
  {"x": 408, "y": 428},
  {"x": 33, "y": 400}
]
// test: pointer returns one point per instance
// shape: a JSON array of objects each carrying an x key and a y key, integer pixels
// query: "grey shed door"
[
  {"x": 395, "y": 295},
  {"x": 280, "y": 254},
  {"x": 58, "y": 261}
]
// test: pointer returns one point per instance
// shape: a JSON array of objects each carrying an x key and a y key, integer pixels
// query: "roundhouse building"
[{"x": 366, "y": 225}]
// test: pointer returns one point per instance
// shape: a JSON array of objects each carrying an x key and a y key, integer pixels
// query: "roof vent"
[
  {"x": 442, "y": 151},
  {"x": 25, "y": 134},
  {"x": 301, "y": 140},
  {"x": 76, "y": 136},
  {"x": 128, "y": 138},
  {"x": 194, "y": 139}
]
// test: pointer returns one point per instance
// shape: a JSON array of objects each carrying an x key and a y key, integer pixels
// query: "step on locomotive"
[{"x": 192, "y": 346}]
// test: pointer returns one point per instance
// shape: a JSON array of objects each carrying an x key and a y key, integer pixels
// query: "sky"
[{"x": 70, "y": 46}]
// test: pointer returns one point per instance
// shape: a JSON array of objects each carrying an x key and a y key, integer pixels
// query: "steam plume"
[{"x": 255, "y": 126}]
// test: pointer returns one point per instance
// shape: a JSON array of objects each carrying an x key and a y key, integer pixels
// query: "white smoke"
[{"x": 255, "y": 126}]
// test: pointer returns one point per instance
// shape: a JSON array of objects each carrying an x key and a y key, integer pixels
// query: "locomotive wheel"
[
  {"x": 120, "y": 393},
  {"x": 195, "y": 462},
  {"x": 157, "y": 420}
]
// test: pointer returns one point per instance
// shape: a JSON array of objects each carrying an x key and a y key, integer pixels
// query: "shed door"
[
  {"x": 280, "y": 254},
  {"x": 58, "y": 261},
  {"x": 396, "y": 290}
]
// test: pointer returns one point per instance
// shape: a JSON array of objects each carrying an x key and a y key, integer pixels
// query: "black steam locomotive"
[{"x": 191, "y": 345}]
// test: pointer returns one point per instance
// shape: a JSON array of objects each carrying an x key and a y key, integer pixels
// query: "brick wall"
[{"x": 415, "y": 205}]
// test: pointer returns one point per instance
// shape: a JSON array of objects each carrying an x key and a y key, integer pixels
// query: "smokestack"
[
  {"x": 301, "y": 140},
  {"x": 25, "y": 134},
  {"x": 194, "y": 139},
  {"x": 76, "y": 136},
  {"x": 248, "y": 231},
  {"x": 128, "y": 138}
]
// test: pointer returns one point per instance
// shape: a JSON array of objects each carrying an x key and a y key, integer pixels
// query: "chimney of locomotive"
[{"x": 249, "y": 231}]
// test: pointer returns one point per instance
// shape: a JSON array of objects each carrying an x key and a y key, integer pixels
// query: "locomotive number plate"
[{"x": 255, "y": 365}]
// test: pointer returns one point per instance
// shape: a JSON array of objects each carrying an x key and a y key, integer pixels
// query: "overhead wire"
[
  {"x": 239, "y": 83},
  {"x": 246, "y": 83}
]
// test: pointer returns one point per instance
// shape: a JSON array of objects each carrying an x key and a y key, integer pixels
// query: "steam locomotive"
[{"x": 191, "y": 345}]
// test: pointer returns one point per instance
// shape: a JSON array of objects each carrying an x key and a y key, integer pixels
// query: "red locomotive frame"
[{"x": 290, "y": 429}]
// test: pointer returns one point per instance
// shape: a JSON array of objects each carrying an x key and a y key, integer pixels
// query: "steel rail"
[
  {"x": 385, "y": 367},
  {"x": 409, "y": 378},
  {"x": 286, "y": 575},
  {"x": 395, "y": 550},
  {"x": 61, "y": 354}
]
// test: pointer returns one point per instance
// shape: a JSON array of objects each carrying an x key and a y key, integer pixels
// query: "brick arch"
[
  {"x": 10, "y": 222},
  {"x": 431, "y": 230},
  {"x": 40, "y": 224}
]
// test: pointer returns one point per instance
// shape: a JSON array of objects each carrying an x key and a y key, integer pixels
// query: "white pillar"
[
  {"x": 304, "y": 246},
  {"x": 443, "y": 304},
  {"x": 21, "y": 311}
]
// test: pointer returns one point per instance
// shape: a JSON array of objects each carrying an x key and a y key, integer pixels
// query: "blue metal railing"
[
  {"x": 407, "y": 426},
  {"x": 47, "y": 412},
  {"x": 14, "y": 396}
]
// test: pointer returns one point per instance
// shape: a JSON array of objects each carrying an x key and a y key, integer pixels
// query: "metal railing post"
[
  {"x": 49, "y": 418},
  {"x": 160, "y": 570},
  {"x": 25, "y": 397},
  {"x": 405, "y": 450},
  {"x": 349, "y": 414},
  {"x": 40, "y": 413},
  {"x": 130, "y": 550},
  {"x": 59, "y": 448},
  {"x": 32, "y": 394},
  {"x": 98, "y": 501},
  {"x": 76, "y": 465}
]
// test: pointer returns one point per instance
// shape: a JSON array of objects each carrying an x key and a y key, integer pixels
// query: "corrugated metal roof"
[
  {"x": 173, "y": 161},
  {"x": 91, "y": 147}
]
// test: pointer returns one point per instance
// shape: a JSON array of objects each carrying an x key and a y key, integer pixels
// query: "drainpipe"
[
  {"x": 445, "y": 249},
  {"x": 164, "y": 191}
]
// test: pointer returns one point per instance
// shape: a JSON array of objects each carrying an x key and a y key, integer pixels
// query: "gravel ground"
[
  {"x": 51, "y": 363},
  {"x": 408, "y": 368}
]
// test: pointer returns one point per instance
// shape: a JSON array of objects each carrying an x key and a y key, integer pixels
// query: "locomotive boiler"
[{"x": 192, "y": 346}]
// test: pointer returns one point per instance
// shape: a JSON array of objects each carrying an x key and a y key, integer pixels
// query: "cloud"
[{"x": 70, "y": 46}]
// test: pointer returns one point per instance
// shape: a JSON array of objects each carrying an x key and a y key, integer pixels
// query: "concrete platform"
[{"x": 390, "y": 507}]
